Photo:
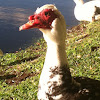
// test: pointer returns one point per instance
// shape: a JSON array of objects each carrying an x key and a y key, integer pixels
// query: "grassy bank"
[{"x": 20, "y": 71}]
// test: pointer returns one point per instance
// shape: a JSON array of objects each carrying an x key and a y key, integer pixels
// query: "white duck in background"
[
  {"x": 55, "y": 81},
  {"x": 89, "y": 11}
]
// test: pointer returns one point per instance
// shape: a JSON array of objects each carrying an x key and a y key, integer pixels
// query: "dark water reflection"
[{"x": 14, "y": 13}]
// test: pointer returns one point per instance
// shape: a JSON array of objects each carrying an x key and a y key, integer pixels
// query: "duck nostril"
[{"x": 31, "y": 17}]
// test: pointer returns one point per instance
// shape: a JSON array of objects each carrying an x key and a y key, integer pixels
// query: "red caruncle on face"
[{"x": 43, "y": 19}]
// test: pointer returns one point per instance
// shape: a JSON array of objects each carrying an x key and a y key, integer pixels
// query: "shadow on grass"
[
  {"x": 19, "y": 61},
  {"x": 91, "y": 86},
  {"x": 7, "y": 77},
  {"x": 15, "y": 79},
  {"x": 87, "y": 82}
]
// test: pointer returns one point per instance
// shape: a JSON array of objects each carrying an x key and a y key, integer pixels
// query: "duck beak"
[
  {"x": 28, "y": 25},
  {"x": 32, "y": 23}
]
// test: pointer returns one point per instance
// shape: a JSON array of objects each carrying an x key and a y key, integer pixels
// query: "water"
[{"x": 14, "y": 13}]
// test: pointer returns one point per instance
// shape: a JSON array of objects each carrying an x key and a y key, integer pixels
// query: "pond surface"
[{"x": 14, "y": 13}]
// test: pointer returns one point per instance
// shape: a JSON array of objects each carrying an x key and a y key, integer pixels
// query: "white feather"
[{"x": 86, "y": 11}]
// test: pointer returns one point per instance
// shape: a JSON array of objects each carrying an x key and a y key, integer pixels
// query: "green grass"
[{"x": 20, "y": 71}]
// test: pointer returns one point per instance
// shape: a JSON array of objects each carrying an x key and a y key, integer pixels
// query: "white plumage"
[
  {"x": 89, "y": 11},
  {"x": 55, "y": 81}
]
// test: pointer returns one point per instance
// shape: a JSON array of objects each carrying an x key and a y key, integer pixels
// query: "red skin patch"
[{"x": 42, "y": 20}]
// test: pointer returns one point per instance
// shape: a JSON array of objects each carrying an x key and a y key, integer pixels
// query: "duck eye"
[{"x": 46, "y": 14}]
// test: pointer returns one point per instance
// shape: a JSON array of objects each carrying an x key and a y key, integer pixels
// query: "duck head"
[{"x": 48, "y": 20}]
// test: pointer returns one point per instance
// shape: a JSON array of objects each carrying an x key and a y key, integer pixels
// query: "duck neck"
[{"x": 56, "y": 55}]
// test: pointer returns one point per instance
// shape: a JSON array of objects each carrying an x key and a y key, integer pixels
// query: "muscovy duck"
[{"x": 56, "y": 82}]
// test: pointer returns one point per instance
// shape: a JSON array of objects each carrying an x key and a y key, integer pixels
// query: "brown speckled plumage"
[{"x": 69, "y": 89}]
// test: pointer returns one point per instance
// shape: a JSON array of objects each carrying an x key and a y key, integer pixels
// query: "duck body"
[
  {"x": 89, "y": 11},
  {"x": 56, "y": 82}
]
